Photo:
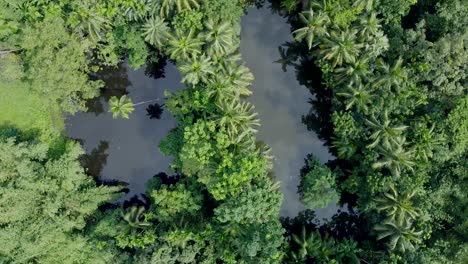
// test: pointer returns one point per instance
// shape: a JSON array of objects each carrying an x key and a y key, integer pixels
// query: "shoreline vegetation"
[{"x": 389, "y": 84}]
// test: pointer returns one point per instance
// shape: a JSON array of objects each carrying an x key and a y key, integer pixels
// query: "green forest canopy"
[{"x": 389, "y": 80}]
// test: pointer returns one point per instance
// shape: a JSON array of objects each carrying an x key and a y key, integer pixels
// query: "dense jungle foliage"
[{"x": 388, "y": 80}]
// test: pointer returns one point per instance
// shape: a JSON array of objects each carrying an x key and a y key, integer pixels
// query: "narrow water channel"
[
  {"x": 280, "y": 101},
  {"x": 126, "y": 149}
]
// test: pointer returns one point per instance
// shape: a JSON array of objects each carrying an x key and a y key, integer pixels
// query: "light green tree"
[
  {"x": 196, "y": 69},
  {"x": 237, "y": 117},
  {"x": 156, "y": 31},
  {"x": 219, "y": 37},
  {"x": 121, "y": 107},
  {"x": 183, "y": 44}
]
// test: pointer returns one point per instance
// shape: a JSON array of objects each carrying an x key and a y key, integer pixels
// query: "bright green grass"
[{"x": 26, "y": 111}]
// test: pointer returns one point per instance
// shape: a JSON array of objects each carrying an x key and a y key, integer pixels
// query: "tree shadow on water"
[
  {"x": 95, "y": 161},
  {"x": 115, "y": 84}
]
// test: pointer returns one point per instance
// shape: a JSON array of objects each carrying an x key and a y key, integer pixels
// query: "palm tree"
[
  {"x": 344, "y": 146},
  {"x": 376, "y": 44},
  {"x": 401, "y": 236},
  {"x": 168, "y": 5},
  {"x": 183, "y": 44},
  {"x": 398, "y": 208},
  {"x": 238, "y": 117},
  {"x": 238, "y": 78},
  {"x": 316, "y": 26},
  {"x": 219, "y": 37},
  {"x": 308, "y": 244},
  {"x": 395, "y": 157},
  {"x": 197, "y": 69},
  {"x": 124, "y": 106},
  {"x": 156, "y": 31},
  {"x": 91, "y": 24},
  {"x": 358, "y": 96},
  {"x": 369, "y": 26},
  {"x": 340, "y": 47},
  {"x": 390, "y": 77},
  {"x": 135, "y": 217},
  {"x": 384, "y": 133},
  {"x": 121, "y": 107},
  {"x": 354, "y": 72}
]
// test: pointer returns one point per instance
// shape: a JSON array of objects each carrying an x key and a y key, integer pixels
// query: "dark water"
[
  {"x": 280, "y": 101},
  {"x": 126, "y": 149}
]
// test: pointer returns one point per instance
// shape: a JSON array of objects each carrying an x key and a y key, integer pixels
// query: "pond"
[{"x": 127, "y": 149}]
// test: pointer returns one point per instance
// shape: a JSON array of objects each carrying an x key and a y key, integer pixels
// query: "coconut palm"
[
  {"x": 183, "y": 44},
  {"x": 197, "y": 69},
  {"x": 354, "y": 72},
  {"x": 368, "y": 26},
  {"x": 397, "y": 207},
  {"x": 376, "y": 44},
  {"x": 238, "y": 117},
  {"x": 384, "y": 133},
  {"x": 344, "y": 146},
  {"x": 219, "y": 37},
  {"x": 340, "y": 47},
  {"x": 124, "y": 106},
  {"x": 307, "y": 244},
  {"x": 156, "y": 31},
  {"x": 316, "y": 26},
  {"x": 168, "y": 5},
  {"x": 121, "y": 107},
  {"x": 401, "y": 236},
  {"x": 91, "y": 24},
  {"x": 237, "y": 78},
  {"x": 358, "y": 96},
  {"x": 395, "y": 157},
  {"x": 390, "y": 77},
  {"x": 135, "y": 217}
]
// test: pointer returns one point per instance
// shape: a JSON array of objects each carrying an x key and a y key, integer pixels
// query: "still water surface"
[
  {"x": 280, "y": 101},
  {"x": 126, "y": 150}
]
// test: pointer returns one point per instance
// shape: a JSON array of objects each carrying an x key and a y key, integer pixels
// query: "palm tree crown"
[
  {"x": 395, "y": 157},
  {"x": 155, "y": 31},
  {"x": 401, "y": 236},
  {"x": 238, "y": 117},
  {"x": 383, "y": 132},
  {"x": 168, "y": 5},
  {"x": 316, "y": 25},
  {"x": 340, "y": 47},
  {"x": 197, "y": 69},
  {"x": 134, "y": 216},
  {"x": 182, "y": 45},
  {"x": 121, "y": 107},
  {"x": 398, "y": 207},
  {"x": 219, "y": 37},
  {"x": 358, "y": 96}
]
